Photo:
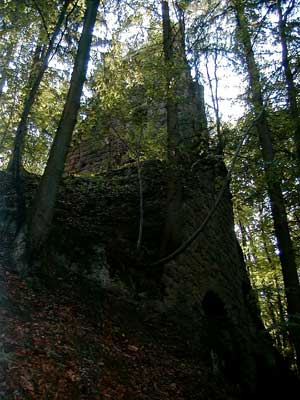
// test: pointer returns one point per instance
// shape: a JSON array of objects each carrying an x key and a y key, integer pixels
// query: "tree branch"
[
  {"x": 42, "y": 17},
  {"x": 63, "y": 32}
]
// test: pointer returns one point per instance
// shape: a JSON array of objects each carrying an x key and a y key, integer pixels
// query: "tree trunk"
[
  {"x": 214, "y": 93},
  {"x": 171, "y": 235},
  {"x": 268, "y": 291},
  {"x": 246, "y": 251},
  {"x": 281, "y": 328},
  {"x": 281, "y": 227},
  {"x": 172, "y": 117},
  {"x": 16, "y": 159},
  {"x": 286, "y": 343},
  {"x": 290, "y": 84},
  {"x": 40, "y": 64},
  {"x": 44, "y": 204}
]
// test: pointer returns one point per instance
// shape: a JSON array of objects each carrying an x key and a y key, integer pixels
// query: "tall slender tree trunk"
[
  {"x": 171, "y": 235},
  {"x": 281, "y": 226},
  {"x": 286, "y": 343},
  {"x": 268, "y": 291},
  {"x": 37, "y": 76},
  {"x": 45, "y": 200},
  {"x": 14, "y": 166},
  {"x": 214, "y": 93},
  {"x": 40, "y": 64},
  {"x": 253, "y": 250},
  {"x": 290, "y": 84},
  {"x": 246, "y": 251},
  {"x": 172, "y": 117},
  {"x": 285, "y": 338}
]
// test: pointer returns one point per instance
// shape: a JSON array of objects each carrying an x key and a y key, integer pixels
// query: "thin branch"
[
  {"x": 42, "y": 17},
  {"x": 270, "y": 8},
  {"x": 63, "y": 32},
  {"x": 288, "y": 10}
]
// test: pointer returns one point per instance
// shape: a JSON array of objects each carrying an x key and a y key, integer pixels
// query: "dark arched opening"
[{"x": 221, "y": 344}]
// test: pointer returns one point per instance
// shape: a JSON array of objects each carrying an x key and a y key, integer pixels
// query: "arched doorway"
[{"x": 222, "y": 346}]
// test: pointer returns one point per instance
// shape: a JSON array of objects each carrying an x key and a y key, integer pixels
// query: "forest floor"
[{"x": 60, "y": 344}]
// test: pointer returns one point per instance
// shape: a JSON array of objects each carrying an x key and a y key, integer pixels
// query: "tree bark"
[
  {"x": 285, "y": 338},
  {"x": 214, "y": 94},
  {"x": 16, "y": 159},
  {"x": 45, "y": 200},
  {"x": 280, "y": 220},
  {"x": 171, "y": 235},
  {"x": 40, "y": 64},
  {"x": 290, "y": 84},
  {"x": 172, "y": 117}
]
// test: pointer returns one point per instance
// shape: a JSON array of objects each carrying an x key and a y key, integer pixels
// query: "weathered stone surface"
[
  {"x": 7, "y": 204},
  {"x": 96, "y": 155},
  {"x": 106, "y": 147},
  {"x": 103, "y": 213},
  {"x": 205, "y": 291}
]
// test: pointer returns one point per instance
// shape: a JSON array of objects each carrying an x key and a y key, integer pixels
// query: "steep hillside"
[{"x": 65, "y": 344}]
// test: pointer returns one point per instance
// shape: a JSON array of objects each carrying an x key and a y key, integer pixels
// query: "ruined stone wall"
[
  {"x": 106, "y": 147},
  {"x": 205, "y": 291},
  {"x": 214, "y": 261},
  {"x": 207, "y": 286},
  {"x": 95, "y": 155}
]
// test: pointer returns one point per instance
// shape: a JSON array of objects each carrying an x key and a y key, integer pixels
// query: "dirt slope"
[{"x": 64, "y": 343}]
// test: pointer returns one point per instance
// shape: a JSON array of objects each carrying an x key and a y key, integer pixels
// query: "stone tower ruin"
[{"x": 205, "y": 291}]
